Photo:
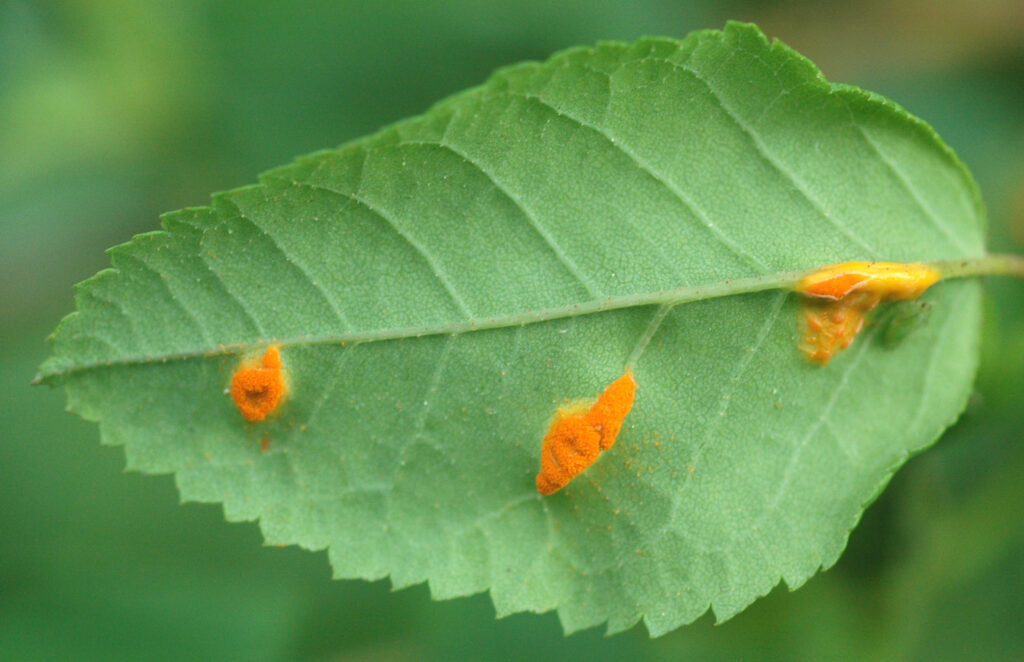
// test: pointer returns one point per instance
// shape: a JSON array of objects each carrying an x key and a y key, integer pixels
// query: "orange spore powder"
[
  {"x": 839, "y": 295},
  {"x": 258, "y": 388},
  {"x": 576, "y": 437}
]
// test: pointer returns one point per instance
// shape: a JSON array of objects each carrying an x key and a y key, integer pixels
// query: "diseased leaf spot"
[
  {"x": 830, "y": 327},
  {"x": 839, "y": 295},
  {"x": 579, "y": 434},
  {"x": 259, "y": 387},
  {"x": 890, "y": 281}
]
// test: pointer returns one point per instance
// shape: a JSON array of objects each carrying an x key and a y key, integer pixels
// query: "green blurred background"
[{"x": 113, "y": 112}]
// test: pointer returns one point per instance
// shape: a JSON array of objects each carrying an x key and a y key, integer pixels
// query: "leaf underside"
[{"x": 401, "y": 275}]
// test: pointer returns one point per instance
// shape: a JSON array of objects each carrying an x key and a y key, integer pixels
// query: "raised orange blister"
[
  {"x": 839, "y": 295},
  {"x": 258, "y": 388},
  {"x": 577, "y": 436},
  {"x": 890, "y": 281}
]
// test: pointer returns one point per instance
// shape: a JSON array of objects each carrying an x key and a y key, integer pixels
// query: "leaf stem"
[{"x": 990, "y": 265}]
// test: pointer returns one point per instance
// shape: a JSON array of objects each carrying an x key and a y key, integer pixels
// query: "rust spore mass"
[
  {"x": 259, "y": 388},
  {"x": 577, "y": 437}
]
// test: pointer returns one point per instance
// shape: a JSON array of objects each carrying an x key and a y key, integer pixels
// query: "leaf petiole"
[{"x": 1003, "y": 264}]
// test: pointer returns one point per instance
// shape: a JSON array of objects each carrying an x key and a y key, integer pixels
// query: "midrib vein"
[
  {"x": 685, "y": 294},
  {"x": 993, "y": 264}
]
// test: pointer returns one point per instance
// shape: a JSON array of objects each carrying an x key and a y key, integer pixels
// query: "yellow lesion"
[
  {"x": 837, "y": 297},
  {"x": 890, "y": 281}
]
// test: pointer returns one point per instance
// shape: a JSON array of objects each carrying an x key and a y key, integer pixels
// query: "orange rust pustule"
[
  {"x": 838, "y": 296},
  {"x": 574, "y": 439},
  {"x": 611, "y": 408},
  {"x": 830, "y": 328},
  {"x": 259, "y": 388},
  {"x": 891, "y": 281}
]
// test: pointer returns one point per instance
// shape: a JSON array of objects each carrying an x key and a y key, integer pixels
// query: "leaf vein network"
[
  {"x": 532, "y": 219},
  {"x": 234, "y": 298},
  {"x": 303, "y": 271},
  {"x": 160, "y": 278},
  {"x": 439, "y": 273},
  {"x": 925, "y": 208},
  {"x": 696, "y": 212},
  {"x": 763, "y": 151},
  {"x": 770, "y": 505}
]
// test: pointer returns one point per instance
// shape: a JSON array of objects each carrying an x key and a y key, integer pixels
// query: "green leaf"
[{"x": 439, "y": 288}]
